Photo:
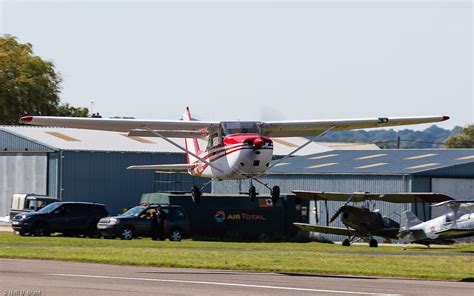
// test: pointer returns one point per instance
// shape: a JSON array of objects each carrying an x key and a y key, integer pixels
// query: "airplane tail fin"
[
  {"x": 407, "y": 220},
  {"x": 191, "y": 144}
]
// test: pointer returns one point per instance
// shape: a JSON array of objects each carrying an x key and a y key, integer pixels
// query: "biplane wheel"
[
  {"x": 373, "y": 243},
  {"x": 196, "y": 194},
  {"x": 346, "y": 243},
  {"x": 275, "y": 194},
  {"x": 252, "y": 193}
]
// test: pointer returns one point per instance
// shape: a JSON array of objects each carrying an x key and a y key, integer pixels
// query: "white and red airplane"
[{"x": 235, "y": 149}]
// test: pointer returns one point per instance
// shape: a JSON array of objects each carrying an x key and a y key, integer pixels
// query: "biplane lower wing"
[{"x": 325, "y": 229}]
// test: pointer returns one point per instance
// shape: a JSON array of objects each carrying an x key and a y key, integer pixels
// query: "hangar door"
[
  {"x": 21, "y": 173},
  {"x": 462, "y": 189}
]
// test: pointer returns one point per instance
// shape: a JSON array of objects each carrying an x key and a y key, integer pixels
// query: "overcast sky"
[{"x": 256, "y": 60}]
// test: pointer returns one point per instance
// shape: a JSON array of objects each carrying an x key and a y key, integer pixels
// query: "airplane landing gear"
[
  {"x": 196, "y": 194},
  {"x": 346, "y": 243},
  {"x": 252, "y": 193},
  {"x": 373, "y": 243},
  {"x": 275, "y": 194}
]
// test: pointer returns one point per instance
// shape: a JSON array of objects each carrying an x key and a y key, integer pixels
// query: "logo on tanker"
[{"x": 220, "y": 216}]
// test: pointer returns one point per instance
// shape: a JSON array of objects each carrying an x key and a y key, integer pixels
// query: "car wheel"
[
  {"x": 41, "y": 229},
  {"x": 176, "y": 235},
  {"x": 126, "y": 233},
  {"x": 93, "y": 233},
  {"x": 22, "y": 233}
]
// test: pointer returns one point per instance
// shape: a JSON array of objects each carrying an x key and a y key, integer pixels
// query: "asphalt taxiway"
[{"x": 70, "y": 278}]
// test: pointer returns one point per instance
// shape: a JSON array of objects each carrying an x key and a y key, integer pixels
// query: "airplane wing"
[
  {"x": 455, "y": 233},
  {"x": 157, "y": 167},
  {"x": 403, "y": 197},
  {"x": 325, "y": 229},
  {"x": 268, "y": 128},
  {"x": 317, "y": 127},
  {"x": 136, "y": 127}
]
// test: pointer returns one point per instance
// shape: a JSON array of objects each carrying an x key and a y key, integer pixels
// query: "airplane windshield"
[{"x": 240, "y": 127}]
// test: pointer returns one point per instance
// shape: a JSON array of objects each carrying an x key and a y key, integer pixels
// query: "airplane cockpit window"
[
  {"x": 450, "y": 216},
  {"x": 214, "y": 140},
  {"x": 240, "y": 127}
]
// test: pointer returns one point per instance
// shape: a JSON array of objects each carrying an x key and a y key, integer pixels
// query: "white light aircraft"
[
  {"x": 235, "y": 149},
  {"x": 457, "y": 223}
]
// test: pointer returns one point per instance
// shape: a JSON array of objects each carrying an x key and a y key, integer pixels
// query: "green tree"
[
  {"x": 29, "y": 85},
  {"x": 70, "y": 111},
  {"x": 465, "y": 139}
]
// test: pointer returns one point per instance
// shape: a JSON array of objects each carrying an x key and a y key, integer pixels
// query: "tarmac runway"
[{"x": 35, "y": 277}]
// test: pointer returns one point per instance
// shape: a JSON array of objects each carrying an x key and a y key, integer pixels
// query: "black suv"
[
  {"x": 70, "y": 218},
  {"x": 138, "y": 222}
]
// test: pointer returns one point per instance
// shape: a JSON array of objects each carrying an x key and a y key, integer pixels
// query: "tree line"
[{"x": 29, "y": 85}]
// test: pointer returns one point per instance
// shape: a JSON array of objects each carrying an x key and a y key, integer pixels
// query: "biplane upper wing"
[
  {"x": 403, "y": 197},
  {"x": 325, "y": 229},
  {"x": 302, "y": 128}
]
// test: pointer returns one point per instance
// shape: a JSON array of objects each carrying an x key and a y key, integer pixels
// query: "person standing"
[
  {"x": 154, "y": 225},
  {"x": 161, "y": 221}
]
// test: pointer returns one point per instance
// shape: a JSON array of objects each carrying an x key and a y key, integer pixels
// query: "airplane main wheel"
[
  {"x": 252, "y": 193},
  {"x": 275, "y": 194},
  {"x": 346, "y": 243},
  {"x": 196, "y": 194},
  {"x": 373, "y": 243}
]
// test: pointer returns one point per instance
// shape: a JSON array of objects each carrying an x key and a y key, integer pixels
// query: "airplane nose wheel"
[{"x": 252, "y": 193}]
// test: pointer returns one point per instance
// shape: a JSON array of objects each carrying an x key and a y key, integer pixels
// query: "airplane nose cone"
[{"x": 258, "y": 143}]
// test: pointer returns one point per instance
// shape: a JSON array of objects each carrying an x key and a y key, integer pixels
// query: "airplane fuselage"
[
  {"x": 431, "y": 229},
  {"x": 237, "y": 156}
]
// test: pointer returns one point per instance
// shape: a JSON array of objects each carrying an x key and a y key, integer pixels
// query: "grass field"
[{"x": 450, "y": 263}]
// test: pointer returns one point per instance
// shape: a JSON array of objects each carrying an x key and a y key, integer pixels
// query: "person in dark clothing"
[
  {"x": 154, "y": 226},
  {"x": 161, "y": 220}
]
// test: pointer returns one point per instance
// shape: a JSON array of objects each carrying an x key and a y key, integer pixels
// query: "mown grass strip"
[{"x": 270, "y": 257}]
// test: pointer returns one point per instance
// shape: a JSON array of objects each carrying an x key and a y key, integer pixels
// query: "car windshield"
[
  {"x": 135, "y": 211},
  {"x": 50, "y": 208}
]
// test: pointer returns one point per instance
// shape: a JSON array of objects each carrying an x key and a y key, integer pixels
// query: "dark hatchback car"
[
  {"x": 137, "y": 221},
  {"x": 69, "y": 218}
]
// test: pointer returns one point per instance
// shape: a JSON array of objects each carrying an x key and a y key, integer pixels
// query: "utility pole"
[{"x": 398, "y": 142}]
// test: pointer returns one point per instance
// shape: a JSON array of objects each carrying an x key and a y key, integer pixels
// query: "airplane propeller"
[
  {"x": 338, "y": 212},
  {"x": 341, "y": 209}
]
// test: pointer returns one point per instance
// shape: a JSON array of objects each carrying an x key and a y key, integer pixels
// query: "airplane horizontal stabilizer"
[
  {"x": 324, "y": 229},
  {"x": 157, "y": 167}
]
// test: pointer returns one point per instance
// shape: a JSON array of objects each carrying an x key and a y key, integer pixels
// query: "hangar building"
[
  {"x": 88, "y": 165},
  {"x": 449, "y": 171}
]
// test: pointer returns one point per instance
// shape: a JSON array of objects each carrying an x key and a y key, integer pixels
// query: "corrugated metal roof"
[
  {"x": 403, "y": 161},
  {"x": 90, "y": 140}
]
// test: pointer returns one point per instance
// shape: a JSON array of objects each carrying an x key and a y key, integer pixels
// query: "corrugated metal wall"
[
  {"x": 102, "y": 177},
  {"x": 331, "y": 183},
  {"x": 21, "y": 173},
  {"x": 323, "y": 182},
  {"x": 53, "y": 174},
  {"x": 454, "y": 171},
  {"x": 12, "y": 142}
]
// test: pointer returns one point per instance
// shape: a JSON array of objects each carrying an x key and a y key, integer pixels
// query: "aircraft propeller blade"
[{"x": 336, "y": 214}]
